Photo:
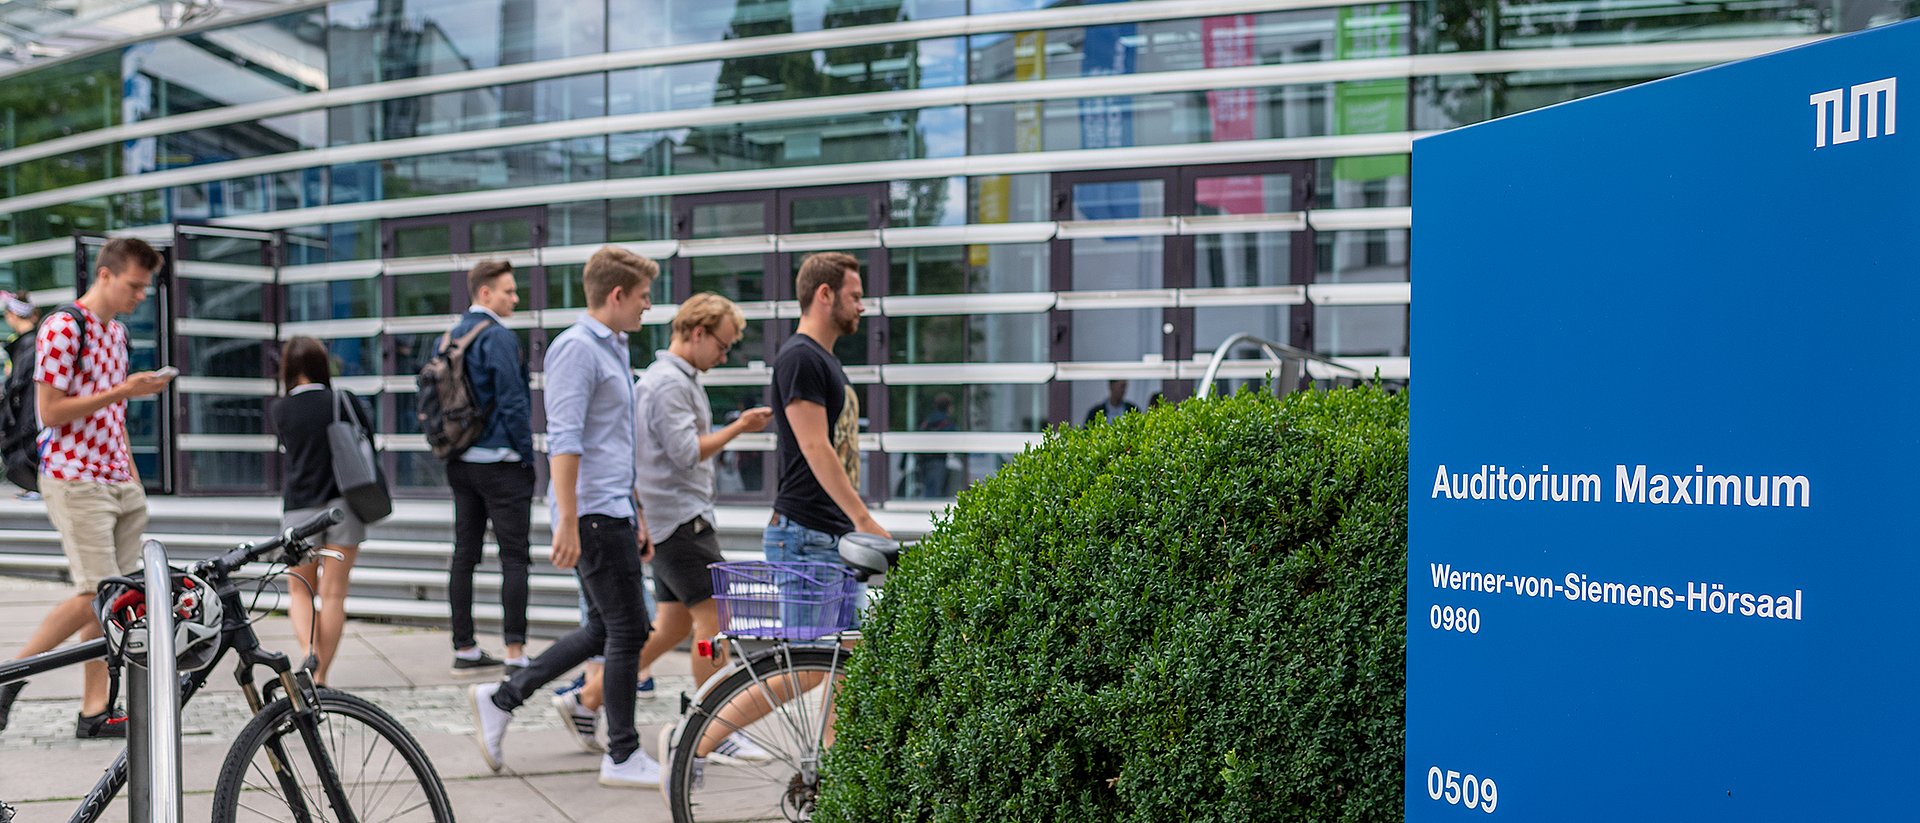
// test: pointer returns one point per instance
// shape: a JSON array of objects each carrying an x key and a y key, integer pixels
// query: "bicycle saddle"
[{"x": 869, "y": 554}]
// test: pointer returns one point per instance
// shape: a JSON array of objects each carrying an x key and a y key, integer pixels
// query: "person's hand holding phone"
[{"x": 148, "y": 383}]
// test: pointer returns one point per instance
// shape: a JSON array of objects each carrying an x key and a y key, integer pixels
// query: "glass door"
[
  {"x": 1116, "y": 263},
  {"x": 150, "y": 420}
]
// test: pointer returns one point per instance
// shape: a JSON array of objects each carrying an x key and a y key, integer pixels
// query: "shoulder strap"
[
  {"x": 74, "y": 311},
  {"x": 466, "y": 340}
]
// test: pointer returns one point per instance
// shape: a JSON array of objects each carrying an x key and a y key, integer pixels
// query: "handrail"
[
  {"x": 158, "y": 748},
  {"x": 1279, "y": 353}
]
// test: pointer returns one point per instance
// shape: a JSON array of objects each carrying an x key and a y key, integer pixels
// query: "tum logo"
[{"x": 1849, "y": 105}]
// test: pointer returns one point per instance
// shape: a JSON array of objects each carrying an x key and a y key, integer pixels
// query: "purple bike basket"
[{"x": 784, "y": 601}]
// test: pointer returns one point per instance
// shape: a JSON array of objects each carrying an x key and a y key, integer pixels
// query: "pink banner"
[{"x": 1229, "y": 42}]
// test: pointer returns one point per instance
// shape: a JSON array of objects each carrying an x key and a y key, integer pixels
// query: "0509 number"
[
  {"x": 1454, "y": 619},
  {"x": 1456, "y": 789}
]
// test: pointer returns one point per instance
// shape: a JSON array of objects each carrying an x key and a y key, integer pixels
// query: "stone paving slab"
[{"x": 405, "y": 670}]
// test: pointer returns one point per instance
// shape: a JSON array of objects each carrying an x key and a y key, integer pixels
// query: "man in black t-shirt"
[{"x": 817, "y": 420}]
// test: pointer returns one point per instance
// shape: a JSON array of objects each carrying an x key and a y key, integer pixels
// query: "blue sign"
[{"x": 1664, "y": 450}]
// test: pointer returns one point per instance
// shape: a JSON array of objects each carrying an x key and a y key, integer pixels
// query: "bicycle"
[
  {"x": 788, "y": 629},
  {"x": 310, "y": 750}
]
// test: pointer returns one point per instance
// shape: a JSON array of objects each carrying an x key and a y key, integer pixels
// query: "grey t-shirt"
[{"x": 671, "y": 414}]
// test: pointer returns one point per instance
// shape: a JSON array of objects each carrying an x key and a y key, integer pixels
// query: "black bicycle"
[{"x": 310, "y": 755}]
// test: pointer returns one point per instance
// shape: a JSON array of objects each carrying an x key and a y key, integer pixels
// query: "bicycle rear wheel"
[
  {"x": 374, "y": 766},
  {"x": 783, "y": 703}
]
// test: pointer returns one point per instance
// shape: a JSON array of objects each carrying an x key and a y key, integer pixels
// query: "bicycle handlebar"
[{"x": 295, "y": 538}]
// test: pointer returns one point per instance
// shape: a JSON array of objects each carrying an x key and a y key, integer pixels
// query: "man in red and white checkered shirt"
[{"x": 87, "y": 474}]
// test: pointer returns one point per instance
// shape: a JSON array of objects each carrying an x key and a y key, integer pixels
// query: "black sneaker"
[
  {"x": 485, "y": 661},
  {"x": 7, "y": 695},
  {"x": 108, "y": 724}
]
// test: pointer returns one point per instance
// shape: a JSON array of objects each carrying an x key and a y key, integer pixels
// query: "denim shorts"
[{"x": 788, "y": 542}]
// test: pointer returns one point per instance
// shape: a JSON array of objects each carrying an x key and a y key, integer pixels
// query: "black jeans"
[
  {"x": 502, "y": 493},
  {"x": 612, "y": 576}
]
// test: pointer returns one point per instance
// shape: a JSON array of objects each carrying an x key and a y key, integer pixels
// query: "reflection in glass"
[
  {"x": 423, "y": 241},
  {"x": 735, "y": 219},
  {"x": 354, "y": 356},
  {"x": 207, "y": 248},
  {"x": 936, "y": 202},
  {"x": 223, "y": 299},
  {"x": 841, "y": 213},
  {"x": 981, "y": 338},
  {"x": 1102, "y": 399},
  {"x": 738, "y": 276},
  {"x": 1360, "y": 331},
  {"x": 248, "y": 63},
  {"x": 421, "y": 294},
  {"x": 641, "y": 218},
  {"x": 225, "y": 357},
  {"x": 225, "y": 414},
  {"x": 419, "y": 470},
  {"x": 1232, "y": 260},
  {"x": 505, "y": 234},
  {"x": 979, "y": 269},
  {"x": 488, "y": 107},
  {"x": 534, "y": 164},
  {"x": 333, "y": 300},
  {"x": 565, "y": 287},
  {"x": 738, "y": 472},
  {"x": 411, "y": 351},
  {"x": 224, "y": 470},
  {"x": 371, "y": 41},
  {"x": 639, "y": 24},
  {"x": 1212, "y": 325},
  {"x": 1362, "y": 256},
  {"x": 851, "y": 138}
]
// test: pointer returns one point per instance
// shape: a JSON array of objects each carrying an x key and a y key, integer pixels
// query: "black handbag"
[{"x": 355, "y": 470}]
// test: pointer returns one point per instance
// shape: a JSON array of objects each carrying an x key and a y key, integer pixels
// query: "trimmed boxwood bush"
[{"x": 1191, "y": 614}]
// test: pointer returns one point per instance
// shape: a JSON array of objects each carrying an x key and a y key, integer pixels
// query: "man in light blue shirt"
[{"x": 590, "y": 442}]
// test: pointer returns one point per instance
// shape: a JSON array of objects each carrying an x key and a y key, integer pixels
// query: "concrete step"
[{"x": 400, "y": 575}]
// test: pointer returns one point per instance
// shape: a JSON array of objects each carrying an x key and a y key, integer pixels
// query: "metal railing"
[
  {"x": 1290, "y": 364},
  {"x": 153, "y": 705}
]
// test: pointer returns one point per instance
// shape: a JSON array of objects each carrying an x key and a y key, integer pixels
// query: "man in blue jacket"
[{"x": 493, "y": 478}]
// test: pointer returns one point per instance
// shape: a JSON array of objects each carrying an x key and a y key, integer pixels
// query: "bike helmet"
[
  {"x": 121, "y": 606},
  {"x": 869, "y": 554}
]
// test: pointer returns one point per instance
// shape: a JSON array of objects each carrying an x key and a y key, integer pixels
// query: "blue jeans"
[{"x": 785, "y": 541}]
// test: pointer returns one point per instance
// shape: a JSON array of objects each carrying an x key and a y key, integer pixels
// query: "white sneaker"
[
  {"x": 580, "y": 724},
  {"x": 699, "y": 772},
  {"x": 639, "y": 772},
  {"x": 489, "y": 723},
  {"x": 737, "y": 750}
]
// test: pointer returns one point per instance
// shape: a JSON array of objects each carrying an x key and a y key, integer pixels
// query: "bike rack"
[
  {"x": 153, "y": 705},
  {"x": 1291, "y": 362}
]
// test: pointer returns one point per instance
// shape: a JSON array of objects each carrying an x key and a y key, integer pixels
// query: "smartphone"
[{"x": 168, "y": 372}]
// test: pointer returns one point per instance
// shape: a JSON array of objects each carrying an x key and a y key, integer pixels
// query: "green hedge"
[{"x": 1192, "y": 614}]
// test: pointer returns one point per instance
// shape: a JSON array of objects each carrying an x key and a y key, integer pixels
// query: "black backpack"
[
  {"x": 20, "y": 412},
  {"x": 449, "y": 414}
]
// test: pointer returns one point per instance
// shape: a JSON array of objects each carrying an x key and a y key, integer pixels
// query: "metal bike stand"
[{"x": 153, "y": 705}]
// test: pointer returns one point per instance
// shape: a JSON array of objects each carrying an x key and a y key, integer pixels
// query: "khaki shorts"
[{"x": 100, "y": 526}]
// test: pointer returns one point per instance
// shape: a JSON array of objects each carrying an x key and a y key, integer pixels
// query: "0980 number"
[{"x": 1454, "y": 619}]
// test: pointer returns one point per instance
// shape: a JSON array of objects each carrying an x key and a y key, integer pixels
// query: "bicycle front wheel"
[
  {"x": 359, "y": 757},
  {"x": 751, "y": 749}
]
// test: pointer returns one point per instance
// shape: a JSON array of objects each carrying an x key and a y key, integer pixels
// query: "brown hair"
[
  {"x": 305, "y": 357},
  {"x": 612, "y": 268},
  {"x": 827, "y": 268},
  {"x": 484, "y": 273},
  {"x": 120, "y": 251},
  {"x": 705, "y": 311}
]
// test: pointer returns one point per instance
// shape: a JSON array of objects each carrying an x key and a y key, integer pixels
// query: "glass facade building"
[{"x": 1046, "y": 197}]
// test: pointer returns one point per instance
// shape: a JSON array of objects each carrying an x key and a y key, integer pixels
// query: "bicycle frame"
[{"x": 236, "y": 635}]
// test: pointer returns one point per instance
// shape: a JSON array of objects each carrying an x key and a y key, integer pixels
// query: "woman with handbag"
[{"x": 308, "y": 420}]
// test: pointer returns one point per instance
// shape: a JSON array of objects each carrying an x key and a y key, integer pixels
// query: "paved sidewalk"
[{"x": 44, "y": 771}]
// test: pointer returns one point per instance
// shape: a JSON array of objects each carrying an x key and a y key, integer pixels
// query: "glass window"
[
  {"x": 74, "y": 96},
  {"x": 1360, "y": 331},
  {"x": 1461, "y": 26},
  {"x": 490, "y": 107},
  {"x": 741, "y": 277},
  {"x": 983, "y": 338},
  {"x": 1362, "y": 256},
  {"x": 1175, "y": 118},
  {"x": 411, "y": 351},
  {"x": 248, "y": 195},
  {"x": 406, "y": 418},
  {"x": 212, "y": 248},
  {"x": 978, "y": 269},
  {"x": 641, "y": 218},
  {"x": 936, "y": 202},
  {"x": 640, "y": 24},
  {"x": 251, "y": 62},
  {"x": 1212, "y": 325},
  {"x": 355, "y": 356},
  {"x": 238, "y": 141},
  {"x": 577, "y": 224},
  {"x": 555, "y": 161},
  {"x": 225, "y": 414},
  {"x": 224, "y": 300},
  {"x": 1095, "y": 399},
  {"x": 333, "y": 300},
  {"x": 225, "y": 470},
  {"x": 500, "y": 234},
  {"x": 767, "y": 78},
  {"x": 1181, "y": 45},
  {"x": 54, "y": 221},
  {"x": 225, "y": 357},
  {"x": 1016, "y": 198},
  {"x": 729, "y": 219},
  {"x": 423, "y": 241},
  {"x": 421, "y": 294},
  {"x": 337, "y": 242},
  {"x": 850, "y": 138},
  {"x": 649, "y": 339},
  {"x": 1232, "y": 260},
  {"x": 565, "y": 287},
  {"x": 371, "y": 41},
  {"x": 62, "y": 170},
  {"x": 419, "y": 470},
  {"x": 1363, "y": 182},
  {"x": 1453, "y": 100},
  {"x": 941, "y": 476}
]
